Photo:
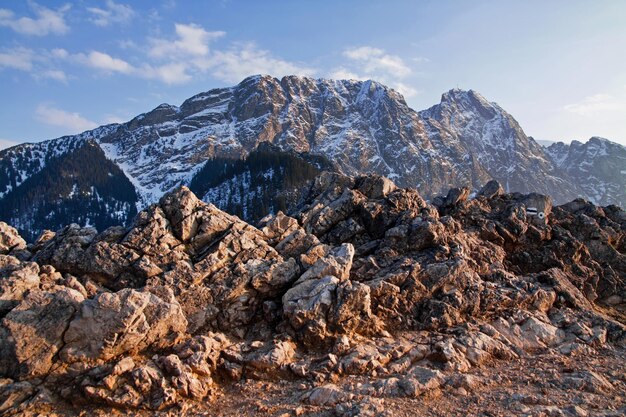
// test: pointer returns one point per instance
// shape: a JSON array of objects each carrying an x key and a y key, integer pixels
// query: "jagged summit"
[{"x": 458, "y": 95}]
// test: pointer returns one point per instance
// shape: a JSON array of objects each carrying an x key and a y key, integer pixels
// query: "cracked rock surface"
[{"x": 366, "y": 300}]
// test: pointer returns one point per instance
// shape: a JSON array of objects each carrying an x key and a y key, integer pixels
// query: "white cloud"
[
  {"x": 46, "y": 21},
  {"x": 172, "y": 73},
  {"x": 36, "y": 64},
  {"x": 169, "y": 73},
  {"x": 18, "y": 58},
  {"x": 405, "y": 89},
  {"x": 374, "y": 59},
  {"x": 596, "y": 104},
  {"x": 342, "y": 73},
  {"x": 189, "y": 55},
  {"x": 106, "y": 62},
  {"x": 56, "y": 75},
  {"x": 367, "y": 62},
  {"x": 113, "y": 13},
  {"x": 127, "y": 44},
  {"x": 246, "y": 59},
  {"x": 193, "y": 40},
  {"x": 179, "y": 61},
  {"x": 59, "y": 53},
  {"x": 53, "y": 116}
]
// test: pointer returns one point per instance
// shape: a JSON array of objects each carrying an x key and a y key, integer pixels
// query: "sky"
[{"x": 559, "y": 67}]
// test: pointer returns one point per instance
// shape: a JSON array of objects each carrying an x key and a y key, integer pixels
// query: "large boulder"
[
  {"x": 32, "y": 334},
  {"x": 16, "y": 279},
  {"x": 10, "y": 239},
  {"x": 129, "y": 321}
]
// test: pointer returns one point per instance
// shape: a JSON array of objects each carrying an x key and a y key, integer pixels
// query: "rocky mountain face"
[
  {"x": 598, "y": 166},
  {"x": 363, "y": 299},
  {"x": 349, "y": 127},
  {"x": 485, "y": 142}
]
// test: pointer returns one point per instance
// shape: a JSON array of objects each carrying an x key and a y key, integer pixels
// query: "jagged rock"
[
  {"x": 587, "y": 381},
  {"x": 375, "y": 187},
  {"x": 420, "y": 380},
  {"x": 34, "y": 332},
  {"x": 10, "y": 239},
  {"x": 16, "y": 279},
  {"x": 125, "y": 322},
  {"x": 382, "y": 285},
  {"x": 491, "y": 189},
  {"x": 337, "y": 264},
  {"x": 306, "y": 306},
  {"x": 368, "y": 407},
  {"x": 279, "y": 354},
  {"x": 456, "y": 196},
  {"x": 12, "y": 394},
  {"x": 328, "y": 394},
  {"x": 364, "y": 359}
]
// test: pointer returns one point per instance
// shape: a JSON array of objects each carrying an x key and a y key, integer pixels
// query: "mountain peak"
[{"x": 466, "y": 97}]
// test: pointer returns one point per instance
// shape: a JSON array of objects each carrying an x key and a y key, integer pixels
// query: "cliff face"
[{"x": 366, "y": 292}]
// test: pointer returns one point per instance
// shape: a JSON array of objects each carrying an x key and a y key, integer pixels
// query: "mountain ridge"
[{"x": 361, "y": 127}]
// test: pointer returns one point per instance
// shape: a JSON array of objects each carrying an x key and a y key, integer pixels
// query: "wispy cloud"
[
  {"x": 74, "y": 122},
  {"x": 17, "y": 58},
  {"x": 192, "y": 40},
  {"x": 368, "y": 62},
  {"x": 342, "y": 73},
  {"x": 37, "y": 65},
  {"x": 245, "y": 59},
  {"x": 105, "y": 62},
  {"x": 46, "y": 21},
  {"x": 171, "y": 73},
  {"x": 56, "y": 75},
  {"x": 375, "y": 60},
  {"x": 112, "y": 13},
  {"x": 190, "y": 54},
  {"x": 596, "y": 104},
  {"x": 112, "y": 118}
]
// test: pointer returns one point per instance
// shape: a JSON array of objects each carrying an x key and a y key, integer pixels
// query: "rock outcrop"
[{"x": 366, "y": 293}]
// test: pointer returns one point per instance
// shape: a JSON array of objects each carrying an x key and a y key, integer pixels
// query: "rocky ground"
[{"x": 366, "y": 301}]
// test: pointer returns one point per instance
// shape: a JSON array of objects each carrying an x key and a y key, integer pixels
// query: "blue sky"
[{"x": 559, "y": 67}]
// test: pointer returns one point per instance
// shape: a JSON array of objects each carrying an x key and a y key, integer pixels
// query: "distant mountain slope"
[
  {"x": 80, "y": 186},
  {"x": 598, "y": 166},
  {"x": 485, "y": 142},
  {"x": 266, "y": 181},
  {"x": 356, "y": 127}
]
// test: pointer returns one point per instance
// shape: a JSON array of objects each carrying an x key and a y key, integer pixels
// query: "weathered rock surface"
[
  {"x": 364, "y": 282},
  {"x": 9, "y": 239}
]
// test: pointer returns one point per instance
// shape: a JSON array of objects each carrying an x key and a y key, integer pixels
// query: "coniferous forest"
[{"x": 92, "y": 189}]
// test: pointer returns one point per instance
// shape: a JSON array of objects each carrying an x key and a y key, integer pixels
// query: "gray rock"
[
  {"x": 491, "y": 189},
  {"x": 33, "y": 333},
  {"x": 126, "y": 322}
]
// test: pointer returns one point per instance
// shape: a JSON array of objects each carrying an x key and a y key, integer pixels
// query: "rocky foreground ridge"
[{"x": 367, "y": 301}]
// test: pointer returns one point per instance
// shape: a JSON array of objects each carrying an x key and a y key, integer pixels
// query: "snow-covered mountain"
[
  {"x": 349, "y": 126},
  {"x": 598, "y": 166},
  {"x": 481, "y": 141}
]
